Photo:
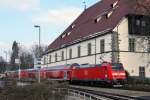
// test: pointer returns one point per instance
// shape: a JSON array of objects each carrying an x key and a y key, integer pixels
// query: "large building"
[{"x": 110, "y": 30}]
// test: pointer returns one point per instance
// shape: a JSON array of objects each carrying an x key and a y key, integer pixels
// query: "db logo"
[{"x": 85, "y": 73}]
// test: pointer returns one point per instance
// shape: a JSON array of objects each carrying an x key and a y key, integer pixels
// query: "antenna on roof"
[{"x": 84, "y": 2}]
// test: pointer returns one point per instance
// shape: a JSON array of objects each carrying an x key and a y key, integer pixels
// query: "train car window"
[
  {"x": 86, "y": 66},
  {"x": 57, "y": 67},
  {"x": 98, "y": 65},
  {"x": 117, "y": 66},
  {"x": 76, "y": 65}
]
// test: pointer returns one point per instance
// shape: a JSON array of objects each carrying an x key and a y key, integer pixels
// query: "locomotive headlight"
[
  {"x": 123, "y": 74},
  {"x": 106, "y": 75},
  {"x": 114, "y": 74}
]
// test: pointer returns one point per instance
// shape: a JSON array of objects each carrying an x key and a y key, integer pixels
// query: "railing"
[{"x": 81, "y": 95}]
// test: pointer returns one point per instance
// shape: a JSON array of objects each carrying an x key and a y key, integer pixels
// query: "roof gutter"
[{"x": 80, "y": 40}]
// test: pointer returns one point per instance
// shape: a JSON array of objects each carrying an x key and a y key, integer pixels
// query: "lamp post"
[
  {"x": 17, "y": 61},
  {"x": 37, "y": 26}
]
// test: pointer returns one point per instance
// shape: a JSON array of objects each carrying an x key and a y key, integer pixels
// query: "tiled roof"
[{"x": 94, "y": 19}]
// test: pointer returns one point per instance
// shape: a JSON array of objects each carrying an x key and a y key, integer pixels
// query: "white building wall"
[
  {"x": 123, "y": 36},
  {"x": 84, "y": 59},
  {"x": 132, "y": 60}
]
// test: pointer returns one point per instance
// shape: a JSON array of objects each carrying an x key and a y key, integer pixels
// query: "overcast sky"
[{"x": 18, "y": 17}]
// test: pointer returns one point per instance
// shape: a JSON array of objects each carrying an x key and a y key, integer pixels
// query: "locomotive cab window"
[{"x": 117, "y": 66}]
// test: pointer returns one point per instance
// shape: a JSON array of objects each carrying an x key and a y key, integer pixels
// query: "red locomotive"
[{"x": 101, "y": 73}]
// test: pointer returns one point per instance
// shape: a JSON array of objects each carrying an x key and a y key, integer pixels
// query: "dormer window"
[
  {"x": 114, "y": 4},
  {"x": 63, "y": 36},
  {"x": 73, "y": 25},
  {"x": 68, "y": 33},
  {"x": 109, "y": 14},
  {"x": 98, "y": 19}
]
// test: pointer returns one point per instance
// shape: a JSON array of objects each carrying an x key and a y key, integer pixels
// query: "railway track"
[{"x": 108, "y": 96}]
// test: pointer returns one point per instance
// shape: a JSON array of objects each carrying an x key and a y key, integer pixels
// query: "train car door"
[{"x": 65, "y": 74}]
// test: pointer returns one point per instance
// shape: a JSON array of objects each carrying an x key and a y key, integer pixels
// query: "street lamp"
[
  {"x": 37, "y": 26},
  {"x": 17, "y": 61}
]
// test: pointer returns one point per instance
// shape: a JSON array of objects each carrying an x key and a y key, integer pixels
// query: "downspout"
[
  {"x": 118, "y": 45},
  {"x": 66, "y": 55},
  {"x": 95, "y": 51}
]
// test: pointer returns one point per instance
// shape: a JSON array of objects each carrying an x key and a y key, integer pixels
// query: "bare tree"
[
  {"x": 3, "y": 65},
  {"x": 141, "y": 6},
  {"x": 36, "y": 50},
  {"x": 27, "y": 60}
]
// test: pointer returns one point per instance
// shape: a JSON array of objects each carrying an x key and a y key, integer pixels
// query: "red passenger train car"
[
  {"x": 62, "y": 72},
  {"x": 23, "y": 73},
  {"x": 32, "y": 73},
  {"x": 12, "y": 74}
]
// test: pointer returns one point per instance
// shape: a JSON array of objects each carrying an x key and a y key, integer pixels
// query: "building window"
[
  {"x": 137, "y": 22},
  {"x": 98, "y": 19},
  {"x": 62, "y": 55},
  {"x": 148, "y": 46},
  {"x": 63, "y": 36},
  {"x": 68, "y": 33},
  {"x": 142, "y": 72},
  {"x": 70, "y": 53},
  {"x": 143, "y": 23},
  {"x": 109, "y": 14},
  {"x": 140, "y": 22},
  {"x": 55, "y": 57},
  {"x": 89, "y": 49},
  {"x": 45, "y": 60},
  {"x": 132, "y": 45},
  {"x": 79, "y": 51},
  {"x": 102, "y": 46},
  {"x": 114, "y": 4},
  {"x": 50, "y": 57},
  {"x": 73, "y": 25}
]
